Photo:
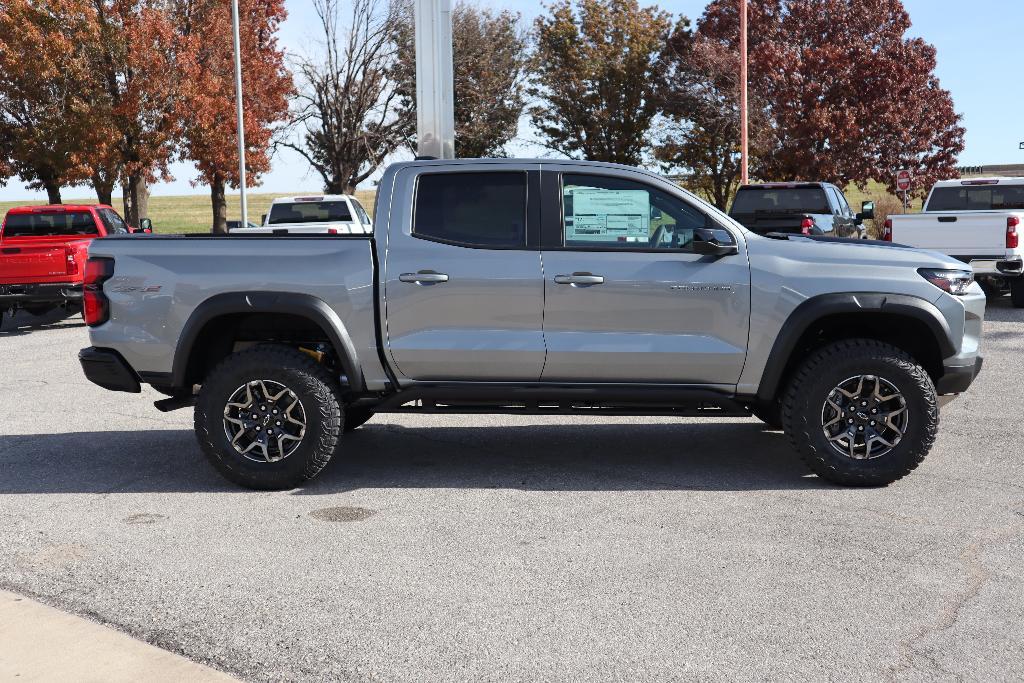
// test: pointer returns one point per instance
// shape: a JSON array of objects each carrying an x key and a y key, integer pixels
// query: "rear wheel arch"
[
  {"x": 910, "y": 323},
  {"x": 212, "y": 329}
]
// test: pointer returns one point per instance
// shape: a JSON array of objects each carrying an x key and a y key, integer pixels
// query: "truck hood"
[{"x": 852, "y": 251}]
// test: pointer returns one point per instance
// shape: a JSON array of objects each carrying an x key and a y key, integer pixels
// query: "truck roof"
[
  {"x": 309, "y": 198},
  {"x": 786, "y": 185},
  {"x": 980, "y": 181},
  {"x": 55, "y": 208}
]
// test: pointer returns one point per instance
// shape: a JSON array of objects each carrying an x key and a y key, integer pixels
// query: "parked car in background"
[
  {"x": 976, "y": 221},
  {"x": 331, "y": 214},
  {"x": 535, "y": 288},
  {"x": 43, "y": 250},
  {"x": 799, "y": 208}
]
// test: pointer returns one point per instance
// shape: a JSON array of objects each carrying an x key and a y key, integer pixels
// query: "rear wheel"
[
  {"x": 1017, "y": 292},
  {"x": 268, "y": 417},
  {"x": 861, "y": 412}
]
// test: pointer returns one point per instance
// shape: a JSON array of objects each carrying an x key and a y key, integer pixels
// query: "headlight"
[{"x": 956, "y": 282}]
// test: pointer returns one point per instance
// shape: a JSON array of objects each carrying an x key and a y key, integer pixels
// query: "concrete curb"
[{"x": 40, "y": 643}]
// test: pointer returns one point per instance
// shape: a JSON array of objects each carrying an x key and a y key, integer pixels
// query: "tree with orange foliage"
[
  {"x": 210, "y": 129},
  {"x": 44, "y": 84}
]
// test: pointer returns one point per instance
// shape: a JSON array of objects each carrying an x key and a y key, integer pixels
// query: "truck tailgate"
[
  {"x": 956, "y": 234},
  {"x": 26, "y": 262}
]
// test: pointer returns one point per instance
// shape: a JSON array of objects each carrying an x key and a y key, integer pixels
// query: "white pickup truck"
[
  {"x": 328, "y": 214},
  {"x": 976, "y": 221}
]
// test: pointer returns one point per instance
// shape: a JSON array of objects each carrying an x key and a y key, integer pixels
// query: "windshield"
[
  {"x": 49, "y": 224},
  {"x": 978, "y": 198},
  {"x": 309, "y": 212},
  {"x": 780, "y": 200}
]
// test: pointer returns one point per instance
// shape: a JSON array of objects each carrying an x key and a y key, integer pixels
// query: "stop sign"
[{"x": 903, "y": 179}]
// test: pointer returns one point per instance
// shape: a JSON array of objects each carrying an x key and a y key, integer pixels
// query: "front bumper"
[
  {"x": 956, "y": 378},
  {"x": 108, "y": 369},
  {"x": 44, "y": 293}
]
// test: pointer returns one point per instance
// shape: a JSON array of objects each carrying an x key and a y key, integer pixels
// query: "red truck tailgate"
[{"x": 25, "y": 262}]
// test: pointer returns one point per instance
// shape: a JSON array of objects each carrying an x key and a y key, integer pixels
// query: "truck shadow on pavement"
[
  {"x": 25, "y": 323},
  {"x": 632, "y": 456},
  {"x": 1002, "y": 311}
]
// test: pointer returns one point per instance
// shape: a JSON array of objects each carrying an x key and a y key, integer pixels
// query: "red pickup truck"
[{"x": 43, "y": 250}]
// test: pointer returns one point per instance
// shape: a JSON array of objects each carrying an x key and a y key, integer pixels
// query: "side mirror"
[
  {"x": 146, "y": 225},
  {"x": 713, "y": 242},
  {"x": 867, "y": 212}
]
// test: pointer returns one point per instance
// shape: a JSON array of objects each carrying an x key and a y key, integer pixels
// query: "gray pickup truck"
[{"x": 535, "y": 288}]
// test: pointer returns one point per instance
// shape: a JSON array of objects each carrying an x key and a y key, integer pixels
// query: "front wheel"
[
  {"x": 268, "y": 417},
  {"x": 861, "y": 412}
]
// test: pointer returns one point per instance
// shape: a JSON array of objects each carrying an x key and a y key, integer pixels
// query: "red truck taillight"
[
  {"x": 95, "y": 304},
  {"x": 887, "y": 230},
  {"x": 1012, "y": 239},
  {"x": 71, "y": 265},
  {"x": 805, "y": 225}
]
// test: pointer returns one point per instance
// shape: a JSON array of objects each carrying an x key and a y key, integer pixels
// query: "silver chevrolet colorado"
[{"x": 535, "y": 288}]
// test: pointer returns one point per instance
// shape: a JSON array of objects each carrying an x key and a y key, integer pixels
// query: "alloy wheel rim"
[
  {"x": 264, "y": 421},
  {"x": 864, "y": 417}
]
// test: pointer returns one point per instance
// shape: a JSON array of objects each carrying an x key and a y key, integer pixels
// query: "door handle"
[
  {"x": 947, "y": 219},
  {"x": 579, "y": 279},
  {"x": 424, "y": 277}
]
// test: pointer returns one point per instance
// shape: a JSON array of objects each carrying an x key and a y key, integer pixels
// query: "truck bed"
[{"x": 163, "y": 284}]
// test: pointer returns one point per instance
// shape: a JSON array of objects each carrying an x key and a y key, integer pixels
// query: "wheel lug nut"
[
  {"x": 872, "y": 423},
  {"x": 860, "y": 429},
  {"x": 850, "y": 420}
]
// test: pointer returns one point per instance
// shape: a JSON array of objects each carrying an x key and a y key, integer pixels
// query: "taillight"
[
  {"x": 1012, "y": 239},
  {"x": 95, "y": 305},
  {"x": 887, "y": 230},
  {"x": 805, "y": 225},
  {"x": 71, "y": 265}
]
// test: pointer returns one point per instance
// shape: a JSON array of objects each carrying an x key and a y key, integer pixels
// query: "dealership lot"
[{"x": 479, "y": 547}]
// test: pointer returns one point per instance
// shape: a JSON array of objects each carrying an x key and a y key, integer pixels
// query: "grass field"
[{"x": 192, "y": 213}]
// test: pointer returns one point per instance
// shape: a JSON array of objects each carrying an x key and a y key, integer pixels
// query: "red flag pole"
[{"x": 744, "y": 141}]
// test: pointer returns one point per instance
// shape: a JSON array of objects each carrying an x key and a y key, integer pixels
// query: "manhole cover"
[
  {"x": 143, "y": 518},
  {"x": 342, "y": 514}
]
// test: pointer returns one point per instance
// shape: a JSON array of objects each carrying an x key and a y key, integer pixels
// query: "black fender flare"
[
  {"x": 823, "y": 305},
  {"x": 304, "y": 305}
]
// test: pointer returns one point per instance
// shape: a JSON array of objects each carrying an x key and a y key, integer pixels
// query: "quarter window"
[
  {"x": 485, "y": 210},
  {"x": 613, "y": 213}
]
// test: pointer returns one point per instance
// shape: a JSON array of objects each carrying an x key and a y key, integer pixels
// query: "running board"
[{"x": 561, "y": 400}]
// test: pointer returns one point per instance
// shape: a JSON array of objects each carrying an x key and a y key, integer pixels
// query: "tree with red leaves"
[
  {"x": 210, "y": 128},
  {"x": 851, "y": 97}
]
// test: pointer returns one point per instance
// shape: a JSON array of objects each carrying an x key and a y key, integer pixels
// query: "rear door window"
[
  {"x": 780, "y": 200},
  {"x": 310, "y": 212},
  {"x": 977, "y": 198},
  {"x": 57, "y": 224},
  {"x": 485, "y": 209}
]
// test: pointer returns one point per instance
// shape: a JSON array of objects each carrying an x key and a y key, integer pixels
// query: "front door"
[
  {"x": 627, "y": 300},
  {"x": 463, "y": 288}
]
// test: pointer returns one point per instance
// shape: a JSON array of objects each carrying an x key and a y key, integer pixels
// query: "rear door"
[
  {"x": 627, "y": 299},
  {"x": 463, "y": 285}
]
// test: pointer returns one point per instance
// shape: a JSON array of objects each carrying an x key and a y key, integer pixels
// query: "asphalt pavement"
[{"x": 463, "y": 548}]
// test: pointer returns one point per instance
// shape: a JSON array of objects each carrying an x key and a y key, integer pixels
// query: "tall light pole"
[
  {"x": 744, "y": 141},
  {"x": 239, "y": 111},
  {"x": 435, "y": 90}
]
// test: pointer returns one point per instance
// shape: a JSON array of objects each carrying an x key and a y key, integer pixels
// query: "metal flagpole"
[
  {"x": 744, "y": 142},
  {"x": 239, "y": 110},
  {"x": 435, "y": 96}
]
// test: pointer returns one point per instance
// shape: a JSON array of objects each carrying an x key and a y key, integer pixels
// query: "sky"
[{"x": 979, "y": 56}]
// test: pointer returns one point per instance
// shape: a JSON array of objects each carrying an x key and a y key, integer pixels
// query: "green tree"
[{"x": 598, "y": 78}]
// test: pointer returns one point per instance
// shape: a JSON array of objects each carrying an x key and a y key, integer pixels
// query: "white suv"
[{"x": 332, "y": 214}]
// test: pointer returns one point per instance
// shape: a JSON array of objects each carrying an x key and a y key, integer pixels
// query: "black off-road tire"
[
  {"x": 315, "y": 389},
  {"x": 356, "y": 417},
  {"x": 1017, "y": 292},
  {"x": 825, "y": 369}
]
